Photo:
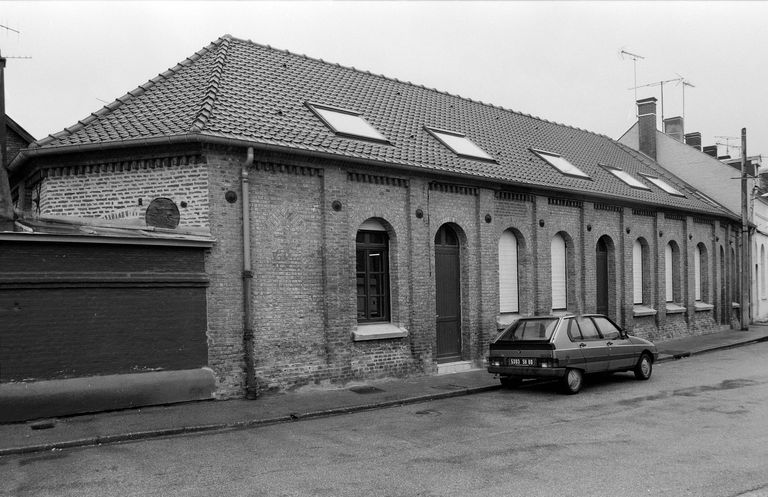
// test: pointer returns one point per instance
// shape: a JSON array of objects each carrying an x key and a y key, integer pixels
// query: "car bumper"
[{"x": 527, "y": 372}]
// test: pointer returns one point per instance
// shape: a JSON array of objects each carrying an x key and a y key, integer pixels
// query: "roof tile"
[{"x": 239, "y": 89}]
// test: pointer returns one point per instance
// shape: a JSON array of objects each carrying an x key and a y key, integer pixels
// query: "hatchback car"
[{"x": 567, "y": 348}]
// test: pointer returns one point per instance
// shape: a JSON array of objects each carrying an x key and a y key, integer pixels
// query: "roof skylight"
[
  {"x": 460, "y": 144},
  {"x": 346, "y": 123},
  {"x": 626, "y": 177},
  {"x": 664, "y": 186},
  {"x": 561, "y": 164}
]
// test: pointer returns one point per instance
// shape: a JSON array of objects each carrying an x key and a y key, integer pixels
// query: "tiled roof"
[{"x": 237, "y": 89}]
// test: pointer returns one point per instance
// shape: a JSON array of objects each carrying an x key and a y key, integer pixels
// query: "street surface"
[{"x": 699, "y": 427}]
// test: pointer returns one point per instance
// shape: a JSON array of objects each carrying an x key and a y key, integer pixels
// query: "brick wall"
[
  {"x": 305, "y": 214},
  {"x": 110, "y": 189}
]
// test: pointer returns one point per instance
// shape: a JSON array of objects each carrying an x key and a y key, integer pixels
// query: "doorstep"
[{"x": 454, "y": 367}]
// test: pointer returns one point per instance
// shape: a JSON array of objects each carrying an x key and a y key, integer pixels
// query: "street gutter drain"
[{"x": 366, "y": 389}]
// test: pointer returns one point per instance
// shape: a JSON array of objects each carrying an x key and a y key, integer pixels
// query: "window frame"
[
  {"x": 543, "y": 154},
  {"x": 504, "y": 305},
  {"x": 366, "y": 248},
  {"x": 482, "y": 155},
  {"x": 317, "y": 111},
  {"x": 625, "y": 177},
  {"x": 565, "y": 273},
  {"x": 663, "y": 185}
]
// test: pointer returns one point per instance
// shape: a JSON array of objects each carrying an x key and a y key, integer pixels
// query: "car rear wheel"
[
  {"x": 572, "y": 381},
  {"x": 509, "y": 382},
  {"x": 644, "y": 367}
]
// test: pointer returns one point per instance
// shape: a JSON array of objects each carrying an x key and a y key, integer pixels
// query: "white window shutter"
[
  {"x": 637, "y": 272},
  {"x": 668, "y": 288},
  {"x": 697, "y": 273},
  {"x": 559, "y": 273},
  {"x": 508, "y": 285}
]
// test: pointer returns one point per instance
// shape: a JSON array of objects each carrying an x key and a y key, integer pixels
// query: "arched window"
[
  {"x": 762, "y": 271},
  {"x": 559, "y": 273},
  {"x": 701, "y": 273},
  {"x": 668, "y": 274},
  {"x": 697, "y": 273},
  {"x": 638, "y": 272},
  {"x": 372, "y": 250},
  {"x": 672, "y": 272},
  {"x": 508, "y": 279}
]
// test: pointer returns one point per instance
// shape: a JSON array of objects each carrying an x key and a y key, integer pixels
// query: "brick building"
[{"x": 368, "y": 227}]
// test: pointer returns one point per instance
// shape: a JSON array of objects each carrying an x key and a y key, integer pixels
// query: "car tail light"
[{"x": 548, "y": 363}]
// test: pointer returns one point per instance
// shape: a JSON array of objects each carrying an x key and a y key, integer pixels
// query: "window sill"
[
  {"x": 505, "y": 319},
  {"x": 643, "y": 310},
  {"x": 378, "y": 331},
  {"x": 702, "y": 307},
  {"x": 675, "y": 308}
]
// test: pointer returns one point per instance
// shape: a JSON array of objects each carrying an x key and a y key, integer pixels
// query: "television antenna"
[
  {"x": 634, "y": 58},
  {"x": 679, "y": 80}
]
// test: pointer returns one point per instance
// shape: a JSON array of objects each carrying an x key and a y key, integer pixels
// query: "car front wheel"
[
  {"x": 644, "y": 367},
  {"x": 572, "y": 381}
]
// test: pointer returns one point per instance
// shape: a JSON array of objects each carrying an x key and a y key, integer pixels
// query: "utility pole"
[
  {"x": 745, "y": 245},
  {"x": 6, "y": 205}
]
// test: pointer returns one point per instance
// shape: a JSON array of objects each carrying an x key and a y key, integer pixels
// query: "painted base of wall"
[{"x": 23, "y": 401}]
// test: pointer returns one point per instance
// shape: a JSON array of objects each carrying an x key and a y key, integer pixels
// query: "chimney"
[
  {"x": 710, "y": 150},
  {"x": 693, "y": 139},
  {"x": 646, "y": 120},
  {"x": 673, "y": 126}
]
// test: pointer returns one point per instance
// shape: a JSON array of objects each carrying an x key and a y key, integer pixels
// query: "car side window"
[
  {"x": 588, "y": 329},
  {"x": 607, "y": 328},
  {"x": 574, "y": 333}
]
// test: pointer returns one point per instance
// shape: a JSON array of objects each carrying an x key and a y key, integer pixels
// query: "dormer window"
[
  {"x": 664, "y": 186},
  {"x": 459, "y": 144},
  {"x": 625, "y": 177},
  {"x": 561, "y": 164},
  {"x": 346, "y": 123}
]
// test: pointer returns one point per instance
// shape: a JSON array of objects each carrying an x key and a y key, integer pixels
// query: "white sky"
[{"x": 556, "y": 60}]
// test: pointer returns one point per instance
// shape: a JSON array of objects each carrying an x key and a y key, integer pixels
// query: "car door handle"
[{"x": 582, "y": 345}]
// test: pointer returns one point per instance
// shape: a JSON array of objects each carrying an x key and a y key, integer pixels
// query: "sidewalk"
[{"x": 196, "y": 417}]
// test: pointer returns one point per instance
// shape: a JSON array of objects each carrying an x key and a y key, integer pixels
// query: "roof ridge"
[
  {"x": 141, "y": 89},
  {"x": 415, "y": 85},
  {"x": 212, "y": 91}
]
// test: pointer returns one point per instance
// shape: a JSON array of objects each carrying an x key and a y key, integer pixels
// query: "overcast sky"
[{"x": 557, "y": 60}]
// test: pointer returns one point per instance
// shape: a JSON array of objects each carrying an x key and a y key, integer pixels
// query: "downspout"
[{"x": 250, "y": 372}]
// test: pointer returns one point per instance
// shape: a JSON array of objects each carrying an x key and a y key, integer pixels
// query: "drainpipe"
[{"x": 250, "y": 373}]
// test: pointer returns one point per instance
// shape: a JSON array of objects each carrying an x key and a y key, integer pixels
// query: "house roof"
[{"x": 250, "y": 93}]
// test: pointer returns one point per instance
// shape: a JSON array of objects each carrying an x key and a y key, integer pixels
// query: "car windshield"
[{"x": 530, "y": 329}]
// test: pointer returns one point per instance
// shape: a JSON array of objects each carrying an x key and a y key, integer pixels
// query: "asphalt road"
[{"x": 699, "y": 427}]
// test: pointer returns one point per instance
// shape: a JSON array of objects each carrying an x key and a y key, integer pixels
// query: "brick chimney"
[
  {"x": 646, "y": 120},
  {"x": 693, "y": 139},
  {"x": 710, "y": 150},
  {"x": 673, "y": 126}
]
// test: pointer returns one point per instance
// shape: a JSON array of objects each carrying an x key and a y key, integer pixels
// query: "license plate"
[{"x": 518, "y": 361}]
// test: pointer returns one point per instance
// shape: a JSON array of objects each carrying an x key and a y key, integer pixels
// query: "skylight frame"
[
  {"x": 663, "y": 185},
  {"x": 625, "y": 177},
  {"x": 565, "y": 170},
  {"x": 373, "y": 134},
  {"x": 474, "y": 152}
]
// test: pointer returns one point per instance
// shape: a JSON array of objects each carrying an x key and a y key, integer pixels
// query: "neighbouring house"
[
  {"x": 718, "y": 178},
  {"x": 365, "y": 227}
]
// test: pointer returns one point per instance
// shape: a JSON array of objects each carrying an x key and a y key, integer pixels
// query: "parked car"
[{"x": 567, "y": 348}]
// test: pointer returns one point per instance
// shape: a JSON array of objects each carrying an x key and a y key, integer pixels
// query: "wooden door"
[
  {"x": 601, "y": 277},
  {"x": 448, "y": 295}
]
